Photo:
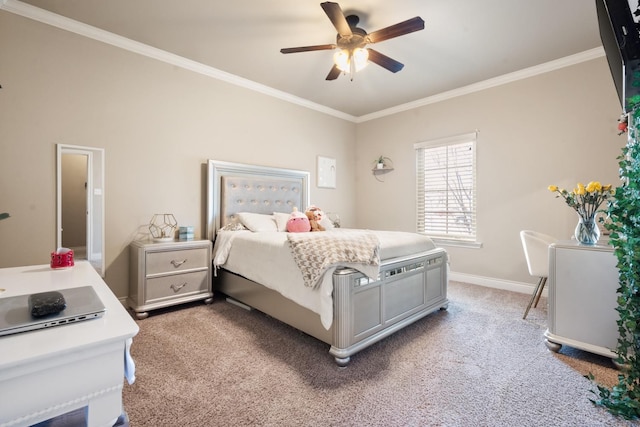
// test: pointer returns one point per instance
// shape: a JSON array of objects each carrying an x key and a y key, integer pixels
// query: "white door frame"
[{"x": 92, "y": 191}]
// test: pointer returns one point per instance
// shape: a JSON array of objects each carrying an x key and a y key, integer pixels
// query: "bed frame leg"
[{"x": 342, "y": 361}]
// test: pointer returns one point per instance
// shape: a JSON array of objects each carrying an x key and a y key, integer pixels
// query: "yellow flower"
[
  {"x": 585, "y": 200},
  {"x": 594, "y": 186}
]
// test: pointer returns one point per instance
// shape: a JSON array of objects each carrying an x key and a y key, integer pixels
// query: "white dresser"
[
  {"x": 583, "y": 283},
  {"x": 165, "y": 274},
  {"x": 53, "y": 371}
]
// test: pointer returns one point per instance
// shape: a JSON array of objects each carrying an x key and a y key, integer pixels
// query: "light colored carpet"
[{"x": 476, "y": 364}]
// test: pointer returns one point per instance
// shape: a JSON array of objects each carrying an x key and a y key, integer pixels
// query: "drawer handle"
[
  {"x": 176, "y": 288},
  {"x": 177, "y": 264}
]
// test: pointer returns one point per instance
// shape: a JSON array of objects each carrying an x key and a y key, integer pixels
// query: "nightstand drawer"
[
  {"x": 174, "y": 261},
  {"x": 177, "y": 285}
]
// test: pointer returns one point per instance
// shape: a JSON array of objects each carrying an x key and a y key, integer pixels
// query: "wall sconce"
[{"x": 163, "y": 227}]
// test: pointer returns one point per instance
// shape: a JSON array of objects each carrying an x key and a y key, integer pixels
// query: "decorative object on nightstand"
[
  {"x": 163, "y": 227},
  {"x": 186, "y": 233},
  {"x": 586, "y": 201},
  {"x": 169, "y": 273}
]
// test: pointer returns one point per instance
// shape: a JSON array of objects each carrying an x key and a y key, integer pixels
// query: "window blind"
[{"x": 446, "y": 187}]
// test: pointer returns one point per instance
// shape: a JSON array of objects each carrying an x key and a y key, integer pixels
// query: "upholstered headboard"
[{"x": 236, "y": 187}]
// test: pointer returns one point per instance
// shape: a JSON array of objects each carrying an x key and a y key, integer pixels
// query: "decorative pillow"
[
  {"x": 233, "y": 226},
  {"x": 326, "y": 223},
  {"x": 257, "y": 222},
  {"x": 281, "y": 219}
]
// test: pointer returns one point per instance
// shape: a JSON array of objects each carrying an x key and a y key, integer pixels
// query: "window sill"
[{"x": 457, "y": 243}]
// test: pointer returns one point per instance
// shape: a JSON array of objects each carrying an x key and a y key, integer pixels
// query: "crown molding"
[
  {"x": 37, "y": 14},
  {"x": 567, "y": 61},
  {"x": 64, "y": 23}
]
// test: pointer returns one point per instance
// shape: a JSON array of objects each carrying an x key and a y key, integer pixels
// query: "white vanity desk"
[
  {"x": 583, "y": 284},
  {"x": 53, "y": 371}
]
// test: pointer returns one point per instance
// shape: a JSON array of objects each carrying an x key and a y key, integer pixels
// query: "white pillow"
[
  {"x": 257, "y": 222},
  {"x": 281, "y": 219},
  {"x": 326, "y": 223}
]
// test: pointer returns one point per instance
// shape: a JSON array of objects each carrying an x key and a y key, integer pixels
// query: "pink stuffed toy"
[{"x": 298, "y": 222}]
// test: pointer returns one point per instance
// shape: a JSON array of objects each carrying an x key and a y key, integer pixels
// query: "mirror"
[{"x": 80, "y": 203}]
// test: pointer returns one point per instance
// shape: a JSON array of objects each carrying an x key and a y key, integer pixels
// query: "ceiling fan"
[{"x": 351, "y": 40}]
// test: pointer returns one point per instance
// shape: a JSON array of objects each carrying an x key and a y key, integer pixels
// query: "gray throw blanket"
[{"x": 315, "y": 252}]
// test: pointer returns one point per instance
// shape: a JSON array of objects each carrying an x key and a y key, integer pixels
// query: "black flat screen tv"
[{"x": 620, "y": 35}]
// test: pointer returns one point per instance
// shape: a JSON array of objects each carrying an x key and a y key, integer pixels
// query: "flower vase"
[{"x": 587, "y": 231}]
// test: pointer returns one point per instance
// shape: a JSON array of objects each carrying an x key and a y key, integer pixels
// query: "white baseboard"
[{"x": 490, "y": 282}]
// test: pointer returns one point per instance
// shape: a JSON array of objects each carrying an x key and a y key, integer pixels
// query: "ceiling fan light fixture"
[
  {"x": 360, "y": 58},
  {"x": 344, "y": 59},
  {"x": 351, "y": 41},
  {"x": 341, "y": 59}
]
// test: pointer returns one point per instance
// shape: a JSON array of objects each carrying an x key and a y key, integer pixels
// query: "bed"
[{"x": 354, "y": 304}]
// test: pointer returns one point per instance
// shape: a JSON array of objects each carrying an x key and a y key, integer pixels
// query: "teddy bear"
[
  {"x": 298, "y": 222},
  {"x": 315, "y": 214}
]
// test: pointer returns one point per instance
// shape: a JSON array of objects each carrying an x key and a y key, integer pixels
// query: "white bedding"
[{"x": 265, "y": 258}]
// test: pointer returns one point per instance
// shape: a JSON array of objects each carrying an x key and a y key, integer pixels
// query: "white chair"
[{"x": 536, "y": 251}]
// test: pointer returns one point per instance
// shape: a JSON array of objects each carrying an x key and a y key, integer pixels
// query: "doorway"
[{"x": 80, "y": 203}]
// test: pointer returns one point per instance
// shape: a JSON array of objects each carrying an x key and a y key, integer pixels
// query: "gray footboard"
[{"x": 365, "y": 310}]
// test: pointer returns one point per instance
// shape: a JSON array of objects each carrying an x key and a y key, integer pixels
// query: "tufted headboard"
[{"x": 236, "y": 187}]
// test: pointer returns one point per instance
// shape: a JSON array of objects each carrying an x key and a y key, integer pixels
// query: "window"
[{"x": 446, "y": 188}]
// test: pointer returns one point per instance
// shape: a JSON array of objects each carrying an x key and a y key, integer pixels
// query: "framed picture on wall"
[{"x": 326, "y": 172}]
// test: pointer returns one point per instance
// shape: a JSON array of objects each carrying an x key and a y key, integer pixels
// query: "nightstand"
[{"x": 168, "y": 273}]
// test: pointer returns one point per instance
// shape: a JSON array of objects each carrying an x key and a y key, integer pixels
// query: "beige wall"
[
  {"x": 556, "y": 128},
  {"x": 159, "y": 124}
]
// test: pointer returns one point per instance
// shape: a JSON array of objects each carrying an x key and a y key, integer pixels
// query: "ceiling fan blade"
[
  {"x": 334, "y": 73},
  {"x": 399, "y": 29},
  {"x": 308, "y": 48},
  {"x": 336, "y": 17},
  {"x": 384, "y": 61}
]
